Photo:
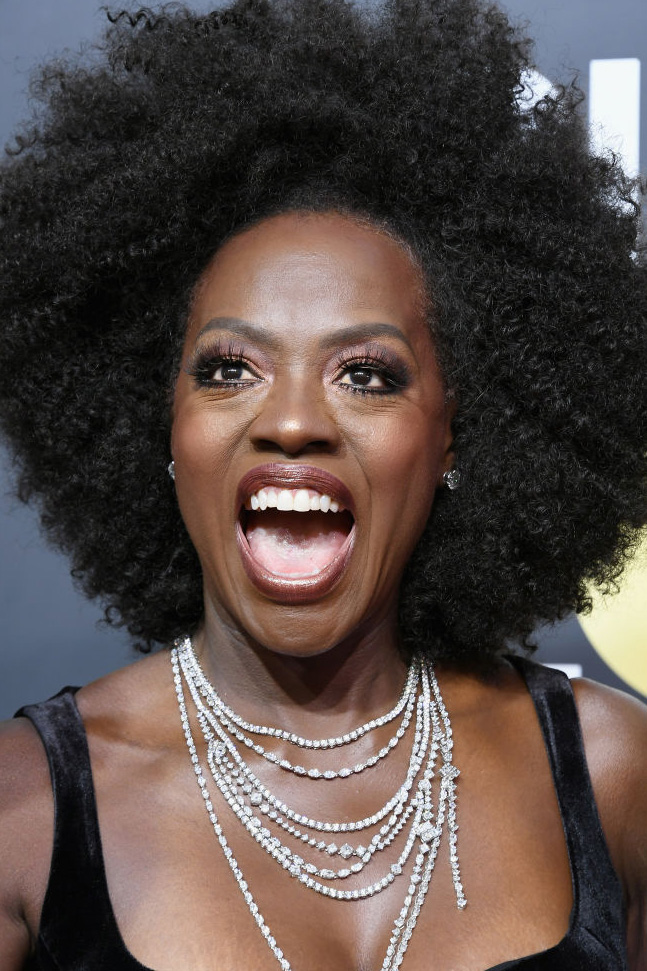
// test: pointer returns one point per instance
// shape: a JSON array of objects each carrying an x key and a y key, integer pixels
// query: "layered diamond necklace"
[{"x": 410, "y": 813}]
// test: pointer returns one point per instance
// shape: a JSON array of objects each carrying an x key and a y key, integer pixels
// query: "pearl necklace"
[{"x": 250, "y": 800}]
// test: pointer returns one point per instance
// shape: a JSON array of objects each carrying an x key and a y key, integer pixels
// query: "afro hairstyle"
[{"x": 179, "y": 129}]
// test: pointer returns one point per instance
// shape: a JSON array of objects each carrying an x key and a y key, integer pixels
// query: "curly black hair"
[{"x": 181, "y": 129}]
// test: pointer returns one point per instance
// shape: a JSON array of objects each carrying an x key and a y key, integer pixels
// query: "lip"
[{"x": 294, "y": 590}]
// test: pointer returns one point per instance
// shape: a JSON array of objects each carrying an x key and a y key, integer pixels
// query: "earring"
[
  {"x": 452, "y": 479},
  {"x": 171, "y": 470}
]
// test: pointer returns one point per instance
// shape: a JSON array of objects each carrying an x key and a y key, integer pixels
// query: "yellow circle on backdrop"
[{"x": 617, "y": 625}]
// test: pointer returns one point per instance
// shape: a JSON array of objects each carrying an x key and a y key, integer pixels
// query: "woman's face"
[{"x": 308, "y": 381}]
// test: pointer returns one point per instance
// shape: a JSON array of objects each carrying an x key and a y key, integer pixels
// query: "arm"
[
  {"x": 26, "y": 832},
  {"x": 614, "y": 726}
]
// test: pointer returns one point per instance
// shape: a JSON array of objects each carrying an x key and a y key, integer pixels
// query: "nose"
[{"x": 295, "y": 418}]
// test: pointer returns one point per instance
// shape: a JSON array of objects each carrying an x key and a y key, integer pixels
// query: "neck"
[{"x": 323, "y": 694}]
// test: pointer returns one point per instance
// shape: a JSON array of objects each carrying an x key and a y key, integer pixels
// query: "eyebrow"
[
  {"x": 242, "y": 328},
  {"x": 346, "y": 335},
  {"x": 363, "y": 332}
]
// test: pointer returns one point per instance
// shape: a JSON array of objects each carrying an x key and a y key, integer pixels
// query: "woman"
[{"x": 383, "y": 322}]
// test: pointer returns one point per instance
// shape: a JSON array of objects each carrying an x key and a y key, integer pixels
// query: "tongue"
[{"x": 296, "y": 544}]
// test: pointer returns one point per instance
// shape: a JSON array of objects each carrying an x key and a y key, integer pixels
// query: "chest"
[{"x": 178, "y": 905}]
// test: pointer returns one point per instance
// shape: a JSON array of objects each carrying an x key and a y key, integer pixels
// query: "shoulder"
[
  {"x": 612, "y": 721},
  {"x": 26, "y": 836},
  {"x": 115, "y": 728},
  {"x": 614, "y": 729}
]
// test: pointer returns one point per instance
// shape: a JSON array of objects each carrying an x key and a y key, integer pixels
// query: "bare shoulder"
[
  {"x": 614, "y": 728},
  {"x": 26, "y": 833}
]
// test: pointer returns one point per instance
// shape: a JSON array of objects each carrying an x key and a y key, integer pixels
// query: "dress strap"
[
  {"x": 597, "y": 893},
  {"x": 77, "y": 923}
]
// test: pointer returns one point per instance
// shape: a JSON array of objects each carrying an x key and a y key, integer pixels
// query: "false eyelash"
[
  {"x": 390, "y": 367},
  {"x": 205, "y": 361}
]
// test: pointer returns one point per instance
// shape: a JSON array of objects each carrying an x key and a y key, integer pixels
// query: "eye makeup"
[
  {"x": 223, "y": 355},
  {"x": 372, "y": 359},
  {"x": 366, "y": 361}
]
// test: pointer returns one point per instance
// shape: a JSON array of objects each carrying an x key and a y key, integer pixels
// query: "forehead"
[{"x": 323, "y": 266}]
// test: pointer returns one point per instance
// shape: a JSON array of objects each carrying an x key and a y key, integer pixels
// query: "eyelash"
[
  {"x": 381, "y": 362},
  {"x": 204, "y": 363},
  {"x": 378, "y": 360}
]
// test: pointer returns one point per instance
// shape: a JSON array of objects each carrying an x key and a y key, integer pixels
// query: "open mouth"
[
  {"x": 295, "y": 532},
  {"x": 295, "y": 541}
]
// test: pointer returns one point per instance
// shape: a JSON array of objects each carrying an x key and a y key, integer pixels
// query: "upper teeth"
[{"x": 292, "y": 500}]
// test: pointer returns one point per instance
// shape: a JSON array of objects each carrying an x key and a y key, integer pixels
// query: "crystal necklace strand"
[
  {"x": 404, "y": 926},
  {"x": 428, "y": 833},
  {"x": 232, "y": 728},
  {"x": 217, "y": 754},
  {"x": 290, "y": 861},
  {"x": 294, "y": 863},
  {"x": 383, "y": 838},
  {"x": 409, "y": 689},
  {"x": 391, "y": 806}
]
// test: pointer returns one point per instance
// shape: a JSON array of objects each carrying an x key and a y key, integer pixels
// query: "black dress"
[{"x": 78, "y": 929}]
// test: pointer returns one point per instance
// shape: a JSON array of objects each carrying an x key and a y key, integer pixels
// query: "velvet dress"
[{"x": 79, "y": 931}]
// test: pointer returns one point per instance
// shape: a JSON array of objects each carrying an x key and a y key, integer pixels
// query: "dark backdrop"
[{"x": 49, "y": 634}]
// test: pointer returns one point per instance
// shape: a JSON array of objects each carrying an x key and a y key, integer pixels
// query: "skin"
[
  {"x": 303, "y": 408},
  {"x": 299, "y": 283}
]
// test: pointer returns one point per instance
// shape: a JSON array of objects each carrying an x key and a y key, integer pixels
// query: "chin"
[{"x": 299, "y": 632}]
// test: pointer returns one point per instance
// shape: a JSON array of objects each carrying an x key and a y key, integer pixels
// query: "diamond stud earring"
[
  {"x": 171, "y": 470},
  {"x": 452, "y": 479}
]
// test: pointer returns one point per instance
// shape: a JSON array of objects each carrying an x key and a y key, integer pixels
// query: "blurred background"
[{"x": 49, "y": 635}]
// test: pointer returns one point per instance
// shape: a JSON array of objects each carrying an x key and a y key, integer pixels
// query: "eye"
[
  {"x": 371, "y": 369},
  {"x": 365, "y": 377},
  {"x": 232, "y": 372},
  {"x": 221, "y": 370}
]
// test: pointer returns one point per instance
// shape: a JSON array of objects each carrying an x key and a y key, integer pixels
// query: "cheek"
[
  {"x": 404, "y": 464},
  {"x": 200, "y": 445},
  {"x": 409, "y": 457},
  {"x": 192, "y": 444},
  {"x": 200, "y": 435}
]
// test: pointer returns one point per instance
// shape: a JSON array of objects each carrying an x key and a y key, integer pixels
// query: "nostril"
[
  {"x": 292, "y": 448},
  {"x": 293, "y": 423}
]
